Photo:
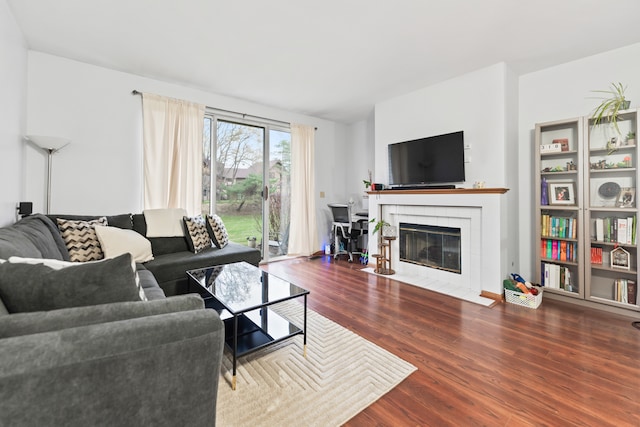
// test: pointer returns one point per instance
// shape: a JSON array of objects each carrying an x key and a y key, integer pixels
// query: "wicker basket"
[{"x": 525, "y": 300}]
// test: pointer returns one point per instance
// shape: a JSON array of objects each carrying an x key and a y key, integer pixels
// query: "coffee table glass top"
[{"x": 242, "y": 287}]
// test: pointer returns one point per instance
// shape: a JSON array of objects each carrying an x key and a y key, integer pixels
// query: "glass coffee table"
[{"x": 243, "y": 295}]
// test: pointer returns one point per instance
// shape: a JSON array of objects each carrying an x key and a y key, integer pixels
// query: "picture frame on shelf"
[
  {"x": 562, "y": 193},
  {"x": 564, "y": 143},
  {"x": 626, "y": 198},
  {"x": 620, "y": 259}
]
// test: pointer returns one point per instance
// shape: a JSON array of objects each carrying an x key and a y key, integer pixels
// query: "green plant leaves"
[{"x": 610, "y": 106}]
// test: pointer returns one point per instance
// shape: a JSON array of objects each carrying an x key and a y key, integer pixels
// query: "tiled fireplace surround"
[{"x": 476, "y": 212}]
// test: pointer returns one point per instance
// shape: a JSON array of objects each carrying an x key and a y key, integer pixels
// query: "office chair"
[{"x": 344, "y": 236}]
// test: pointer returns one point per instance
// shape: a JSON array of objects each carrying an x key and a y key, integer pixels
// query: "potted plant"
[
  {"x": 367, "y": 182},
  {"x": 378, "y": 225},
  {"x": 611, "y": 105},
  {"x": 631, "y": 138}
]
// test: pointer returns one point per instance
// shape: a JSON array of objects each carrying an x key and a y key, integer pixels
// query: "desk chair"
[{"x": 343, "y": 232}]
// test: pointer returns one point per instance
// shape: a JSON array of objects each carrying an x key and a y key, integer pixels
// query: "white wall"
[
  {"x": 100, "y": 172},
  {"x": 511, "y": 227},
  {"x": 13, "y": 87},
  {"x": 564, "y": 92},
  {"x": 483, "y": 104},
  {"x": 361, "y": 155},
  {"x": 474, "y": 103}
]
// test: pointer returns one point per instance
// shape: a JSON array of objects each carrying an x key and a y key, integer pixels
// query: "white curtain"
[
  {"x": 303, "y": 233},
  {"x": 172, "y": 134}
]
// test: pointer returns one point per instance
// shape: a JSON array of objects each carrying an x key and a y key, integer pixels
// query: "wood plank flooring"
[{"x": 559, "y": 365}]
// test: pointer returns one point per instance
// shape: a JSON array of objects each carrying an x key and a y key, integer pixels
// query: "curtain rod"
[{"x": 136, "y": 92}]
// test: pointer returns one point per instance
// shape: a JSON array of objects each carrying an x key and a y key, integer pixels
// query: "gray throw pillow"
[{"x": 36, "y": 287}]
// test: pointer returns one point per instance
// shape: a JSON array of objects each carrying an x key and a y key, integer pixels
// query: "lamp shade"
[{"x": 51, "y": 143}]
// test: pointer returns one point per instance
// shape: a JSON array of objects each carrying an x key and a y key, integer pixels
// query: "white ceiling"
[{"x": 328, "y": 58}]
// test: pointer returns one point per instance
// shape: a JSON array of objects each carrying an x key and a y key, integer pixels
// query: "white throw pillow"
[
  {"x": 57, "y": 264},
  {"x": 164, "y": 222},
  {"x": 117, "y": 241}
]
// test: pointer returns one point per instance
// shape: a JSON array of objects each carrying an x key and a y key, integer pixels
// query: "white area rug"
[
  {"x": 342, "y": 375},
  {"x": 438, "y": 286}
]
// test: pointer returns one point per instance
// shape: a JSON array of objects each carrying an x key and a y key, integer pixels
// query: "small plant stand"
[{"x": 383, "y": 259}]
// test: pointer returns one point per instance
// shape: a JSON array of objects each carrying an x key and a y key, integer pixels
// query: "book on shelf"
[
  {"x": 596, "y": 255},
  {"x": 560, "y": 250},
  {"x": 562, "y": 227},
  {"x": 625, "y": 290},
  {"x": 555, "y": 276},
  {"x": 599, "y": 229},
  {"x": 616, "y": 230},
  {"x": 632, "y": 292},
  {"x": 621, "y": 231}
]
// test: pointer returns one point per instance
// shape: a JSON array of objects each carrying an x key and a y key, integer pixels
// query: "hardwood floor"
[{"x": 558, "y": 365}]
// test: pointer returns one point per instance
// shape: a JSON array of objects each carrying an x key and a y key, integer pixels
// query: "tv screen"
[{"x": 433, "y": 160}]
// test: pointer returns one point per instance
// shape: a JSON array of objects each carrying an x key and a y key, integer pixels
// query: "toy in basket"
[{"x": 520, "y": 292}]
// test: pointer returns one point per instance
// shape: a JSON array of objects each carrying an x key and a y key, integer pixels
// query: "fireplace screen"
[{"x": 431, "y": 246}]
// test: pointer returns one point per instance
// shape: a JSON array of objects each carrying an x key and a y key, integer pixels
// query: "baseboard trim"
[{"x": 493, "y": 296}]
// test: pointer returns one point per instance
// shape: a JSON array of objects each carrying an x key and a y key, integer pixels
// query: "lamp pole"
[
  {"x": 51, "y": 145},
  {"x": 50, "y": 152}
]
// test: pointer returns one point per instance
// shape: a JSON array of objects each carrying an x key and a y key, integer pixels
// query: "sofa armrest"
[
  {"x": 153, "y": 370},
  {"x": 44, "y": 321}
]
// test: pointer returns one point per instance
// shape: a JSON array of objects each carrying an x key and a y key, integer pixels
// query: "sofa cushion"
[
  {"x": 196, "y": 234},
  {"x": 121, "y": 221},
  {"x": 3, "y": 309},
  {"x": 81, "y": 239},
  {"x": 115, "y": 241},
  {"x": 159, "y": 245},
  {"x": 36, "y": 287},
  {"x": 217, "y": 230},
  {"x": 149, "y": 284},
  {"x": 173, "y": 267},
  {"x": 73, "y": 317},
  {"x": 57, "y": 265},
  {"x": 164, "y": 222},
  {"x": 33, "y": 236}
]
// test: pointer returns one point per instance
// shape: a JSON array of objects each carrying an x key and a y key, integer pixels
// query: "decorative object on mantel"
[
  {"x": 611, "y": 105},
  {"x": 367, "y": 183},
  {"x": 50, "y": 144}
]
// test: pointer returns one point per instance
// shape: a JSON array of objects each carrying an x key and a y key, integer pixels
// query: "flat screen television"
[{"x": 430, "y": 161}]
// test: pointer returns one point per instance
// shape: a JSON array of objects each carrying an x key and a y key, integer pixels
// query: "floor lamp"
[{"x": 50, "y": 144}]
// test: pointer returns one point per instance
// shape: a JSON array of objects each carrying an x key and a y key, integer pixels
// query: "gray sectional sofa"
[{"x": 117, "y": 361}]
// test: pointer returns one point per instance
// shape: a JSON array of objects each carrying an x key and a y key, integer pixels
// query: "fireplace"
[
  {"x": 483, "y": 246},
  {"x": 431, "y": 246}
]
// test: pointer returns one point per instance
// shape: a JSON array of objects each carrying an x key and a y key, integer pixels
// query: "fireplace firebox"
[{"x": 431, "y": 246}]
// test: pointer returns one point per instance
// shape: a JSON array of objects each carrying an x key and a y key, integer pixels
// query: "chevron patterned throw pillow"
[
  {"x": 197, "y": 235},
  {"x": 217, "y": 231},
  {"x": 81, "y": 238}
]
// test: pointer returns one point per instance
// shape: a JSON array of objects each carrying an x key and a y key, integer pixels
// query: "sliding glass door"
[{"x": 248, "y": 183}]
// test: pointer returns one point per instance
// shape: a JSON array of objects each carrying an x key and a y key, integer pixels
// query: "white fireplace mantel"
[{"x": 484, "y": 252}]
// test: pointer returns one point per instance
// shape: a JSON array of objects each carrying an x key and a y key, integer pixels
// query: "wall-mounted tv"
[{"x": 427, "y": 161}]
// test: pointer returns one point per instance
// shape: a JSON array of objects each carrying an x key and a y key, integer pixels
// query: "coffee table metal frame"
[{"x": 243, "y": 335}]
